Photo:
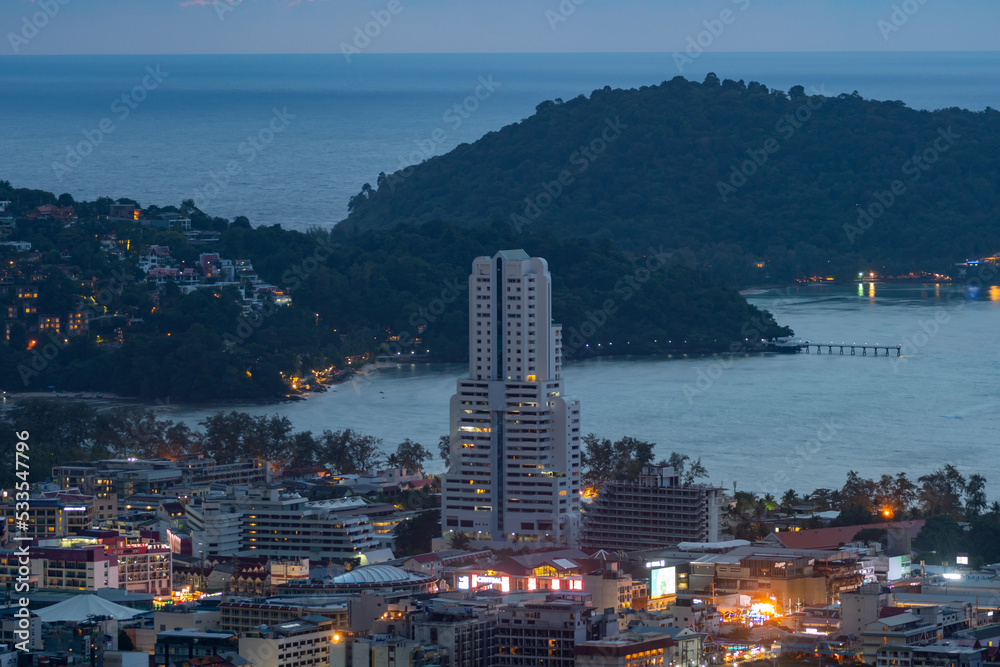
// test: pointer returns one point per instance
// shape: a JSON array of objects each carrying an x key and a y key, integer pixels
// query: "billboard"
[{"x": 662, "y": 582}]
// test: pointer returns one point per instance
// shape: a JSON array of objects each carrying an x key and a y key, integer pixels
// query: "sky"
[{"x": 85, "y": 27}]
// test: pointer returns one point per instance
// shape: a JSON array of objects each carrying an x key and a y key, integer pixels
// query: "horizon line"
[{"x": 475, "y": 53}]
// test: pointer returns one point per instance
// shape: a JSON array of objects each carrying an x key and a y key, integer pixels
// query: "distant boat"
[{"x": 785, "y": 345}]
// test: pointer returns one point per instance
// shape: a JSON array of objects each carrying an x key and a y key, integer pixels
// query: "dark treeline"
[
  {"x": 734, "y": 174},
  {"x": 352, "y": 294},
  {"x": 63, "y": 431},
  {"x": 959, "y": 518}
]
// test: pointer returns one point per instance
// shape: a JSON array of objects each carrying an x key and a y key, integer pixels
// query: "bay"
[{"x": 766, "y": 422}]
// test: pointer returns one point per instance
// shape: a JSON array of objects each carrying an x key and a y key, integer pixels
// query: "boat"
[{"x": 785, "y": 345}]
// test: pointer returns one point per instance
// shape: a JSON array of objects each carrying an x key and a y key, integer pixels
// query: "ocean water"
[
  {"x": 766, "y": 422},
  {"x": 65, "y": 126}
]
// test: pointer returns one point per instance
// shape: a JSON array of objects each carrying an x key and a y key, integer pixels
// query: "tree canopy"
[{"x": 734, "y": 174}]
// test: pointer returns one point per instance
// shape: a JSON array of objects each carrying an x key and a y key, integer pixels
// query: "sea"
[{"x": 289, "y": 139}]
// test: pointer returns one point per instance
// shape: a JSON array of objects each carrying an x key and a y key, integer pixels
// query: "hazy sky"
[{"x": 324, "y": 26}]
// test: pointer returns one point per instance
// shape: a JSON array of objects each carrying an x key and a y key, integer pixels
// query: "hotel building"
[{"x": 515, "y": 438}]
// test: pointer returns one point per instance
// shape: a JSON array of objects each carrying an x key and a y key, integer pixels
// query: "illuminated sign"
[
  {"x": 532, "y": 583},
  {"x": 74, "y": 509},
  {"x": 574, "y": 585},
  {"x": 962, "y": 559},
  {"x": 476, "y": 580},
  {"x": 662, "y": 582},
  {"x": 555, "y": 584},
  {"x": 650, "y": 564}
]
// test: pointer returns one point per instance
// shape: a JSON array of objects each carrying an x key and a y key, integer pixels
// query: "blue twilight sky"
[{"x": 324, "y": 26}]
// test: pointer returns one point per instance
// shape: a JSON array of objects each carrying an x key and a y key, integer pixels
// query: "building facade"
[
  {"x": 655, "y": 510},
  {"x": 515, "y": 438}
]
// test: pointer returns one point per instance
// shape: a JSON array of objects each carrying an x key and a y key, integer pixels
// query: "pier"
[{"x": 853, "y": 348}]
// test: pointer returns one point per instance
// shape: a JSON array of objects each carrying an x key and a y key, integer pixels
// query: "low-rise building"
[
  {"x": 301, "y": 642},
  {"x": 175, "y": 647},
  {"x": 543, "y": 633},
  {"x": 946, "y": 654},
  {"x": 630, "y": 649}
]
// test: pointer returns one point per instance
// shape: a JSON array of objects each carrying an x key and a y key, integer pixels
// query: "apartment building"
[{"x": 653, "y": 511}]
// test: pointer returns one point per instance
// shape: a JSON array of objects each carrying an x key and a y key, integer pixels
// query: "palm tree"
[{"x": 460, "y": 541}]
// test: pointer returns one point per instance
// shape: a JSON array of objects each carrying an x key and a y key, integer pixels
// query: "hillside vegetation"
[{"x": 730, "y": 174}]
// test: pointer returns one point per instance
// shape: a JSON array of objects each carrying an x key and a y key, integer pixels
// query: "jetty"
[
  {"x": 787, "y": 345},
  {"x": 852, "y": 348}
]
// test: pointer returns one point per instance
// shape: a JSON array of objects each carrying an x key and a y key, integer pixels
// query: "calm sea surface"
[
  {"x": 347, "y": 122},
  {"x": 767, "y": 422}
]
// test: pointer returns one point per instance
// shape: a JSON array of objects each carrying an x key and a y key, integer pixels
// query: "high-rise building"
[{"x": 515, "y": 439}]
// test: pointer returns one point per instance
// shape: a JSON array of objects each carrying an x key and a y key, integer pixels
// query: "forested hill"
[{"x": 662, "y": 164}]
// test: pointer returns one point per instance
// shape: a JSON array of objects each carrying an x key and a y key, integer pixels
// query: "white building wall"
[{"x": 515, "y": 439}]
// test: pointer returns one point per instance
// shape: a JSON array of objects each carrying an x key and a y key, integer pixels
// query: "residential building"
[
  {"x": 52, "y": 514},
  {"x": 630, "y": 649},
  {"x": 909, "y": 627},
  {"x": 384, "y": 650},
  {"x": 71, "y": 568},
  {"x": 144, "y": 568},
  {"x": 544, "y": 633},
  {"x": 515, "y": 438},
  {"x": 465, "y": 629},
  {"x": 301, "y": 642},
  {"x": 655, "y": 510},
  {"x": 318, "y": 534},
  {"x": 215, "y": 529},
  {"x": 175, "y": 647},
  {"x": 946, "y": 654}
]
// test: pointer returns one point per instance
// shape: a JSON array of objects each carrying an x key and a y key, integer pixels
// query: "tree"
[
  {"x": 942, "y": 535},
  {"x": 603, "y": 460},
  {"x": 410, "y": 455},
  {"x": 460, "y": 541},
  {"x": 414, "y": 535},
  {"x": 347, "y": 452},
  {"x": 444, "y": 450},
  {"x": 941, "y": 492},
  {"x": 975, "y": 496}
]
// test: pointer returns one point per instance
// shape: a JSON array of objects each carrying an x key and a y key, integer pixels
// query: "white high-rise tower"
[{"x": 515, "y": 439}]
